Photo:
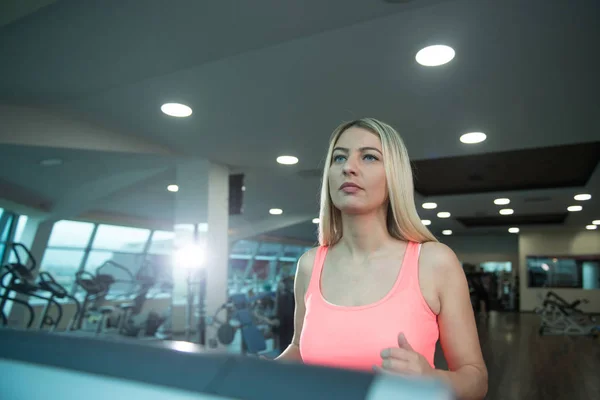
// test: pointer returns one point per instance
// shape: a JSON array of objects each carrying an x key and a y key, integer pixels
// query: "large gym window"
[
  {"x": 161, "y": 243},
  {"x": 62, "y": 264},
  {"x": 70, "y": 234},
  {"x": 120, "y": 238}
]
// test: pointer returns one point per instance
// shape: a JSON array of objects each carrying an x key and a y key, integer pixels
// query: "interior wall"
[
  {"x": 557, "y": 243},
  {"x": 476, "y": 249}
]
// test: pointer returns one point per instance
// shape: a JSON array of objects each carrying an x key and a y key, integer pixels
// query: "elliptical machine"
[
  {"x": 21, "y": 281},
  {"x": 96, "y": 287}
]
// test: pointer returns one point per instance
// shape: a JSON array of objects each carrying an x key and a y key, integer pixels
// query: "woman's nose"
[{"x": 350, "y": 167}]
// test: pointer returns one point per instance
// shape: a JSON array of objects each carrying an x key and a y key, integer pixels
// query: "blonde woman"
[{"x": 380, "y": 290}]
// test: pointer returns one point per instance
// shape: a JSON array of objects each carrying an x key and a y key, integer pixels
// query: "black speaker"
[{"x": 236, "y": 194}]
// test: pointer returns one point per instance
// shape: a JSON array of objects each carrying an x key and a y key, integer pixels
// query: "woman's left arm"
[{"x": 467, "y": 373}]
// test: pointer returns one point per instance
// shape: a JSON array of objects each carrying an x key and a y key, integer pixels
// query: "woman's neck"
[{"x": 364, "y": 234}]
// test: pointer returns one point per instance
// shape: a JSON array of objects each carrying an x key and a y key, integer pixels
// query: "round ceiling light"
[
  {"x": 51, "y": 162},
  {"x": 582, "y": 197},
  {"x": 426, "y": 222},
  {"x": 596, "y": 222},
  {"x": 316, "y": 220},
  {"x": 502, "y": 202},
  {"x": 473, "y": 137},
  {"x": 176, "y": 110},
  {"x": 513, "y": 230},
  {"x": 434, "y": 56},
  {"x": 591, "y": 227},
  {"x": 443, "y": 214},
  {"x": 287, "y": 160},
  {"x": 447, "y": 232},
  {"x": 574, "y": 208},
  {"x": 275, "y": 211},
  {"x": 429, "y": 206},
  {"x": 173, "y": 188},
  {"x": 507, "y": 211}
]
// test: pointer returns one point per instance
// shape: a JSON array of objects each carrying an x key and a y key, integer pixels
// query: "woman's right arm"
[{"x": 301, "y": 281}]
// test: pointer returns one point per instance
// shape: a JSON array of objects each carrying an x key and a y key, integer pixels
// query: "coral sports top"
[{"x": 353, "y": 337}]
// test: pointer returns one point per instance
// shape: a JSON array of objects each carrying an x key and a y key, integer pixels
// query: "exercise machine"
[
  {"x": 559, "y": 317},
  {"x": 19, "y": 278},
  {"x": 96, "y": 367}
]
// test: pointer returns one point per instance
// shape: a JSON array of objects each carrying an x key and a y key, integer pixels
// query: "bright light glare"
[
  {"x": 275, "y": 211},
  {"x": 447, "y": 232},
  {"x": 443, "y": 214},
  {"x": 507, "y": 211},
  {"x": 574, "y": 208},
  {"x": 191, "y": 256},
  {"x": 545, "y": 267},
  {"x": 513, "y": 230},
  {"x": 583, "y": 197},
  {"x": 473, "y": 137},
  {"x": 591, "y": 227},
  {"x": 287, "y": 160},
  {"x": 596, "y": 222},
  {"x": 173, "y": 188},
  {"x": 176, "y": 110},
  {"x": 502, "y": 202},
  {"x": 434, "y": 56},
  {"x": 316, "y": 220},
  {"x": 429, "y": 206},
  {"x": 426, "y": 222}
]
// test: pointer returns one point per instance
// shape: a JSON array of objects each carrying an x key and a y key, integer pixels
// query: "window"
[
  {"x": 62, "y": 264},
  {"x": 581, "y": 272},
  {"x": 120, "y": 238},
  {"x": 70, "y": 234},
  {"x": 161, "y": 243},
  {"x": 20, "y": 227}
]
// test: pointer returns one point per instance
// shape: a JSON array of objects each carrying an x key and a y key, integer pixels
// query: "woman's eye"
[
  {"x": 338, "y": 158},
  {"x": 370, "y": 157}
]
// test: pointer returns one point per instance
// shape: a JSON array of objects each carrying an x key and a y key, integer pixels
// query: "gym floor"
[{"x": 523, "y": 365}]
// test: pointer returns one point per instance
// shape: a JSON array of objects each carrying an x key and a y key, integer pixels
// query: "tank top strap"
[
  {"x": 410, "y": 264},
  {"x": 315, "y": 278}
]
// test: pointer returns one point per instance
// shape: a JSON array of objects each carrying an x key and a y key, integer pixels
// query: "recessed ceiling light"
[
  {"x": 243, "y": 188},
  {"x": 426, "y": 222},
  {"x": 173, "y": 188},
  {"x": 596, "y": 222},
  {"x": 447, "y": 232},
  {"x": 583, "y": 197},
  {"x": 513, "y": 230},
  {"x": 574, "y": 208},
  {"x": 275, "y": 211},
  {"x": 502, "y": 202},
  {"x": 443, "y": 214},
  {"x": 316, "y": 220},
  {"x": 176, "y": 110},
  {"x": 287, "y": 160},
  {"x": 473, "y": 137},
  {"x": 433, "y": 56},
  {"x": 429, "y": 206},
  {"x": 591, "y": 227},
  {"x": 507, "y": 211},
  {"x": 51, "y": 162}
]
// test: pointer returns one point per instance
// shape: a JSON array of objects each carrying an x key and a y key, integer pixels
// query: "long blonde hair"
[{"x": 403, "y": 222}]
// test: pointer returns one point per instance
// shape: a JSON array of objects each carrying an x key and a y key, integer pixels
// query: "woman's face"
[{"x": 357, "y": 180}]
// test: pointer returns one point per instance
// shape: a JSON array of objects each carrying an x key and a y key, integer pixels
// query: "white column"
[{"x": 202, "y": 219}]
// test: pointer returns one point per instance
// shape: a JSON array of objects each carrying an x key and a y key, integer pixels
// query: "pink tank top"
[{"x": 353, "y": 337}]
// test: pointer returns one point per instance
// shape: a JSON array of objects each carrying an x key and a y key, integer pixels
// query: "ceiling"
[{"x": 266, "y": 78}]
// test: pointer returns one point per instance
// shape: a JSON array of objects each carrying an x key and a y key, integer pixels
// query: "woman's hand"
[{"x": 404, "y": 360}]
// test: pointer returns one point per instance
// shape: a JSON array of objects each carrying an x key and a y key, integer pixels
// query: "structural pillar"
[{"x": 201, "y": 223}]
